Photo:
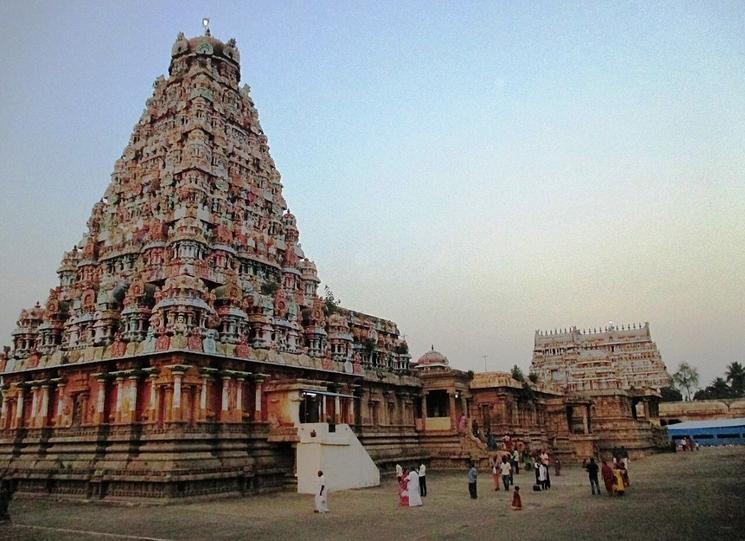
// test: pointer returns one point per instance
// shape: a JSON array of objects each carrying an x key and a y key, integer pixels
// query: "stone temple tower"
[{"x": 185, "y": 305}]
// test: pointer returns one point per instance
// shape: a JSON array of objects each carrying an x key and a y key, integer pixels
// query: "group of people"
[
  {"x": 412, "y": 482},
  {"x": 412, "y": 485},
  {"x": 505, "y": 470},
  {"x": 686, "y": 444},
  {"x": 615, "y": 477}
]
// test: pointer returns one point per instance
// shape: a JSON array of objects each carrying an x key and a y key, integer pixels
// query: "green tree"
[
  {"x": 517, "y": 373},
  {"x": 718, "y": 389},
  {"x": 533, "y": 377},
  {"x": 735, "y": 376},
  {"x": 671, "y": 394},
  {"x": 686, "y": 380}
]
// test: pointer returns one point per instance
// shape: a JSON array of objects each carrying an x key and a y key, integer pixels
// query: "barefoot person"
[
  {"x": 403, "y": 489},
  {"x": 495, "y": 471},
  {"x": 607, "y": 473},
  {"x": 423, "y": 480},
  {"x": 473, "y": 473},
  {"x": 517, "y": 502},
  {"x": 321, "y": 493},
  {"x": 592, "y": 472},
  {"x": 415, "y": 496}
]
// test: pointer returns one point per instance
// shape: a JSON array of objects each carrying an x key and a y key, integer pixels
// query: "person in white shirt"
[
  {"x": 321, "y": 495},
  {"x": 505, "y": 469},
  {"x": 423, "y": 480}
]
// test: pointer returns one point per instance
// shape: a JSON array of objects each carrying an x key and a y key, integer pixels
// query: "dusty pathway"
[{"x": 686, "y": 496}]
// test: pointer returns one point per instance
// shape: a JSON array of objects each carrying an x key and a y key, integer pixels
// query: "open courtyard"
[{"x": 672, "y": 496}]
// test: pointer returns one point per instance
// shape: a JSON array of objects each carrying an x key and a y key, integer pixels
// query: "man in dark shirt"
[{"x": 592, "y": 471}]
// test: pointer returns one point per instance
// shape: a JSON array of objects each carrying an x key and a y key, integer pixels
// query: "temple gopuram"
[
  {"x": 623, "y": 357},
  {"x": 186, "y": 338},
  {"x": 186, "y": 351},
  {"x": 618, "y": 368}
]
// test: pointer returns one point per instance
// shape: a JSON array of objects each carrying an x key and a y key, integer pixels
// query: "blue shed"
[{"x": 712, "y": 432}]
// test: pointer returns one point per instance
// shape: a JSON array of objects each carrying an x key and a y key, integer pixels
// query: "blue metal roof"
[{"x": 710, "y": 424}]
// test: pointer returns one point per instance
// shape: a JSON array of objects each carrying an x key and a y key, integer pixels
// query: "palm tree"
[{"x": 736, "y": 378}]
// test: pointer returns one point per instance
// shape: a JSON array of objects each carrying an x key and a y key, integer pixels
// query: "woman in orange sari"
[{"x": 495, "y": 471}]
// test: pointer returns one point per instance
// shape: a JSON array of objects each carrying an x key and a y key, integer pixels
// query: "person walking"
[
  {"x": 473, "y": 473},
  {"x": 423, "y": 480},
  {"x": 592, "y": 471},
  {"x": 414, "y": 489},
  {"x": 543, "y": 476},
  {"x": 505, "y": 469},
  {"x": 515, "y": 459},
  {"x": 321, "y": 499},
  {"x": 399, "y": 472},
  {"x": 495, "y": 473},
  {"x": 607, "y": 473}
]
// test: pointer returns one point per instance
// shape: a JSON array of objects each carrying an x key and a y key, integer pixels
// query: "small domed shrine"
[{"x": 431, "y": 359}]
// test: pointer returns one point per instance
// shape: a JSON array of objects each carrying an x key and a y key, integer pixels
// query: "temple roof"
[{"x": 432, "y": 358}]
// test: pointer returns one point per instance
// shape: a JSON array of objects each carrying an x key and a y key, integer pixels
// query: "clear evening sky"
[{"x": 472, "y": 170}]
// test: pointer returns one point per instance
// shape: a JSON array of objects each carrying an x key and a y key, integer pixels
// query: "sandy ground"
[{"x": 697, "y": 496}]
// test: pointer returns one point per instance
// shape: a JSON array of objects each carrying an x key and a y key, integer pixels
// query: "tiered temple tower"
[
  {"x": 622, "y": 357},
  {"x": 187, "y": 322}
]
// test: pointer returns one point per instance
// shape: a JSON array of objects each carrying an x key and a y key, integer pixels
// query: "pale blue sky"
[{"x": 472, "y": 170}]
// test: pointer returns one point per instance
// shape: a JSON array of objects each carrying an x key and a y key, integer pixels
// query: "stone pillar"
[
  {"x": 119, "y": 399},
  {"x": 44, "y": 410},
  {"x": 323, "y": 407},
  {"x": 153, "y": 404},
  {"x": 464, "y": 405},
  {"x": 337, "y": 409},
  {"x": 451, "y": 407},
  {"x": 4, "y": 410},
  {"x": 132, "y": 412},
  {"x": 100, "y": 417},
  {"x": 259, "y": 415},
  {"x": 34, "y": 404},
  {"x": 225, "y": 397},
  {"x": 203, "y": 399},
  {"x": 176, "y": 398},
  {"x": 59, "y": 420},
  {"x": 19, "y": 408},
  {"x": 354, "y": 409},
  {"x": 424, "y": 405},
  {"x": 239, "y": 398},
  {"x": 585, "y": 425}
]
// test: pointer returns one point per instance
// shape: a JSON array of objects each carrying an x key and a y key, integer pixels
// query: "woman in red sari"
[
  {"x": 403, "y": 489},
  {"x": 607, "y": 472}
]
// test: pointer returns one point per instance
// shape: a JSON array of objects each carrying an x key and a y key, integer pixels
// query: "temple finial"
[{"x": 206, "y": 25}]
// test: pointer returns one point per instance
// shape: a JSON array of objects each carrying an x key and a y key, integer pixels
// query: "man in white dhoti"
[
  {"x": 321, "y": 493},
  {"x": 415, "y": 498}
]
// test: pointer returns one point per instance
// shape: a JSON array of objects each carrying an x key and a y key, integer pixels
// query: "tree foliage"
[
  {"x": 717, "y": 389},
  {"x": 671, "y": 394},
  {"x": 686, "y": 380},
  {"x": 517, "y": 373},
  {"x": 735, "y": 376}
]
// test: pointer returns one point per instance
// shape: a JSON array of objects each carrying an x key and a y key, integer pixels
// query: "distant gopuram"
[
  {"x": 615, "y": 357},
  {"x": 186, "y": 339}
]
